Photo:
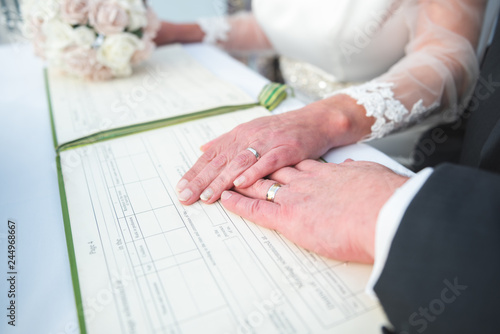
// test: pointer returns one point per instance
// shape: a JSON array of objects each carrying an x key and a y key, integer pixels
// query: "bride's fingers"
[
  {"x": 224, "y": 180},
  {"x": 204, "y": 171},
  {"x": 199, "y": 165},
  {"x": 268, "y": 163},
  {"x": 308, "y": 165},
  {"x": 285, "y": 175}
]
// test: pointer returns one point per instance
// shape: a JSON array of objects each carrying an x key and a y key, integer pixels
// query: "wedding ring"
[
  {"x": 271, "y": 193},
  {"x": 254, "y": 152}
]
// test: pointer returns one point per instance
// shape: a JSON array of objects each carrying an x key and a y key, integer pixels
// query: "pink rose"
[
  {"x": 78, "y": 61},
  {"x": 153, "y": 26},
  {"x": 75, "y": 11},
  {"x": 144, "y": 53},
  {"x": 100, "y": 73},
  {"x": 107, "y": 17},
  {"x": 82, "y": 62}
]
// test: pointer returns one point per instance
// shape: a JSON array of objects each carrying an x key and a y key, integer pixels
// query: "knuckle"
[
  {"x": 242, "y": 160},
  {"x": 273, "y": 160},
  {"x": 254, "y": 207},
  {"x": 219, "y": 161}
]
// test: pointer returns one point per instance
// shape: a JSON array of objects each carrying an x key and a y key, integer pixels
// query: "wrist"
[
  {"x": 346, "y": 119},
  {"x": 166, "y": 34},
  {"x": 392, "y": 183},
  {"x": 189, "y": 33},
  {"x": 179, "y": 33}
]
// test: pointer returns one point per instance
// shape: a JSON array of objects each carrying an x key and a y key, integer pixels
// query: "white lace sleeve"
[
  {"x": 216, "y": 29},
  {"x": 239, "y": 32},
  {"x": 389, "y": 113},
  {"x": 438, "y": 72}
]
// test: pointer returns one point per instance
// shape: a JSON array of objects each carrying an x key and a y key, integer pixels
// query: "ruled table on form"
[{"x": 146, "y": 263}]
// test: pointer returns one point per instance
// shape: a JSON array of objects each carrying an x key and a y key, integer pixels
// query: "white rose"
[
  {"x": 137, "y": 20},
  {"x": 28, "y": 7},
  {"x": 116, "y": 52},
  {"x": 137, "y": 13},
  {"x": 59, "y": 35},
  {"x": 84, "y": 36},
  {"x": 51, "y": 8},
  {"x": 31, "y": 28},
  {"x": 42, "y": 10}
]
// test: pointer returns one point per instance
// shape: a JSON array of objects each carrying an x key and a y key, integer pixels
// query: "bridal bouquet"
[{"x": 91, "y": 39}]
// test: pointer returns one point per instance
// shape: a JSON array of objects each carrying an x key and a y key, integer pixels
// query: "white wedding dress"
[
  {"x": 354, "y": 41},
  {"x": 403, "y": 60}
]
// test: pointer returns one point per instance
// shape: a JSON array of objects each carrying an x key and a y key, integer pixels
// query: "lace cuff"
[
  {"x": 389, "y": 113},
  {"x": 216, "y": 29}
]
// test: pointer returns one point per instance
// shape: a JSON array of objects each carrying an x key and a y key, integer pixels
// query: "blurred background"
[
  {"x": 10, "y": 21},
  {"x": 188, "y": 10},
  {"x": 172, "y": 10}
]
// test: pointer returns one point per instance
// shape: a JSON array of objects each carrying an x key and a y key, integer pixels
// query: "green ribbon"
[{"x": 272, "y": 95}]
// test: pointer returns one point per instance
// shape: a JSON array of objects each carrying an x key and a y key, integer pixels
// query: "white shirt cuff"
[{"x": 388, "y": 221}]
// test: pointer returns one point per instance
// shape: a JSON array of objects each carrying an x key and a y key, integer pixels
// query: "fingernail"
[
  {"x": 239, "y": 181},
  {"x": 207, "y": 194},
  {"x": 185, "y": 195},
  {"x": 226, "y": 195},
  {"x": 181, "y": 185}
]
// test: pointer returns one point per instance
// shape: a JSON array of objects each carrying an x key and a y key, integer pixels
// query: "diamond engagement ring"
[
  {"x": 254, "y": 152},
  {"x": 271, "y": 193}
]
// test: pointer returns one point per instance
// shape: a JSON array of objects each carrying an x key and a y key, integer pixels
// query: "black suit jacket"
[{"x": 443, "y": 270}]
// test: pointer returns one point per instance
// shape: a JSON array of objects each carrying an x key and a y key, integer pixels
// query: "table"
[{"x": 29, "y": 192}]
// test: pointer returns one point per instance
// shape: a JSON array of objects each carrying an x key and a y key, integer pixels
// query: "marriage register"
[{"x": 142, "y": 262}]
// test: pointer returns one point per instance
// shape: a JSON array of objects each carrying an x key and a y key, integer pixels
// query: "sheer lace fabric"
[
  {"x": 380, "y": 103},
  {"x": 236, "y": 33},
  {"x": 436, "y": 71},
  {"x": 216, "y": 29}
]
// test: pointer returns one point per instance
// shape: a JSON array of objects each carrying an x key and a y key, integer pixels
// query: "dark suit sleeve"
[{"x": 443, "y": 270}]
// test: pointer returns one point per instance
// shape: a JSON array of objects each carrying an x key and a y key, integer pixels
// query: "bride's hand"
[{"x": 280, "y": 140}]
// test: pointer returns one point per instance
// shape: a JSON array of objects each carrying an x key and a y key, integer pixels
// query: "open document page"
[
  {"x": 147, "y": 264},
  {"x": 169, "y": 84}
]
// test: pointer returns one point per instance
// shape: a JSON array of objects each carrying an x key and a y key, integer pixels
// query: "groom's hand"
[{"x": 329, "y": 209}]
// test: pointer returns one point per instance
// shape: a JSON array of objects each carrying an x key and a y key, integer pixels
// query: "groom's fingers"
[
  {"x": 261, "y": 188},
  {"x": 261, "y": 212}
]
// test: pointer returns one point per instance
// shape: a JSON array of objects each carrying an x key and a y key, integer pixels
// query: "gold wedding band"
[
  {"x": 271, "y": 193},
  {"x": 254, "y": 152}
]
